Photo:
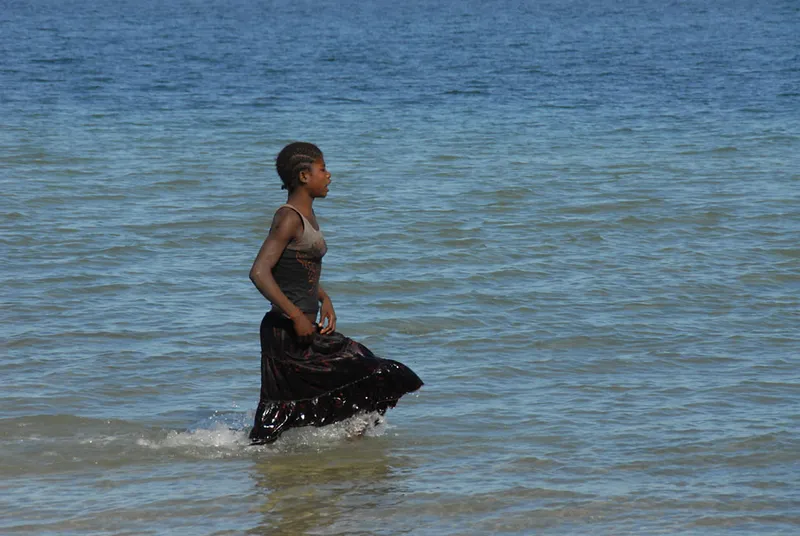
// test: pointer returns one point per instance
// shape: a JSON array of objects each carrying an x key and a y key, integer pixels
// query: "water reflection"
[{"x": 306, "y": 492}]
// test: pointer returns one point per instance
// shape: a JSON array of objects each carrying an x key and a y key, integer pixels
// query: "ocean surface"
[{"x": 578, "y": 222}]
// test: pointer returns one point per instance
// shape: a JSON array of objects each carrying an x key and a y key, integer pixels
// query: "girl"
[{"x": 310, "y": 373}]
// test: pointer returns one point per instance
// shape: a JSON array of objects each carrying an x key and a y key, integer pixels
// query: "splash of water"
[{"x": 219, "y": 439}]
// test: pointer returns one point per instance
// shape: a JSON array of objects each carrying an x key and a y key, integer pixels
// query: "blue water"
[{"x": 577, "y": 221}]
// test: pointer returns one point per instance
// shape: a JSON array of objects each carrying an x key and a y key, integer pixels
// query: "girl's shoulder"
[
  {"x": 287, "y": 217},
  {"x": 288, "y": 211}
]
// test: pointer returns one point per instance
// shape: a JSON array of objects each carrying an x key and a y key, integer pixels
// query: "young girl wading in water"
[{"x": 310, "y": 373}]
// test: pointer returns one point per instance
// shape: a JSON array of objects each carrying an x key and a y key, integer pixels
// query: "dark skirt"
[{"x": 326, "y": 381}]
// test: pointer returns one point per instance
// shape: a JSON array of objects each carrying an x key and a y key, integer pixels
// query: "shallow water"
[{"x": 576, "y": 222}]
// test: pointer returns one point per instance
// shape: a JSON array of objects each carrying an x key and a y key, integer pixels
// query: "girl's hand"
[
  {"x": 304, "y": 328},
  {"x": 327, "y": 317}
]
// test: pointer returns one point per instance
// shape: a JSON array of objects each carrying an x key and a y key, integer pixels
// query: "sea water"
[{"x": 577, "y": 221}]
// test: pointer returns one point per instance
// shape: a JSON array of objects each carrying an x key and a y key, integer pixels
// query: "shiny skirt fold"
[{"x": 328, "y": 380}]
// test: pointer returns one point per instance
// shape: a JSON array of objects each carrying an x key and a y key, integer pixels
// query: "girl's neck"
[{"x": 301, "y": 200}]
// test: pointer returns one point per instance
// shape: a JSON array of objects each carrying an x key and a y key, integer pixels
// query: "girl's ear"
[{"x": 302, "y": 178}]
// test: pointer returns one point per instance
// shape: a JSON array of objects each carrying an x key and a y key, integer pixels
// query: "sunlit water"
[{"x": 577, "y": 222}]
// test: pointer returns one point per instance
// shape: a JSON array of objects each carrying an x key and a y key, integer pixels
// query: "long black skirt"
[{"x": 327, "y": 380}]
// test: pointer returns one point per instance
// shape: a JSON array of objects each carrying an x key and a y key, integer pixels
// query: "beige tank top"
[
  {"x": 312, "y": 241},
  {"x": 299, "y": 267}
]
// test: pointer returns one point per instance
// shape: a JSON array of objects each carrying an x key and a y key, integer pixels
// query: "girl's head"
[{"x": 294, "y": 159}]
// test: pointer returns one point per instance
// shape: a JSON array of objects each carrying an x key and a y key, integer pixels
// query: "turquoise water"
[{"x": 578, "y": 222}]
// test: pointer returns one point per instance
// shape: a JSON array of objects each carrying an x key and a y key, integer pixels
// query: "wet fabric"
[
  {"x": 297, "y": 274},
  {"x": 298, "y": 270},
  {"x": 327, "y": 380}
]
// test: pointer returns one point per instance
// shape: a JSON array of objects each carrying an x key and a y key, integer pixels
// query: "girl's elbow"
[{"x": 260, "y": 275}]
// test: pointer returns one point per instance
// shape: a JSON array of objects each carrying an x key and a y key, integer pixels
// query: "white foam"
[
  {"x": 221, "y": 440},
  {"x": 100, "y": 440},
  {"x": 361, "y": 425},
  {"x": 219, "y": 436}
]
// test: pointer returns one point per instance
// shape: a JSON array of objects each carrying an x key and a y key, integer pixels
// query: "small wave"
[
  {"x": 13, "y": 216},
  {"x": 346, "y": 100},
  {"x": 176, "y": 184},
  {"x": 361, "y": 425},
  {"x": 101, "y": 441},
  {"x": 219, "y": 436},
  {"x": 221, "y": 440},
  {"x": 56, "y": 61},
  {"x": 715, "y": 150},
  {"x": 465, "y": 92}
]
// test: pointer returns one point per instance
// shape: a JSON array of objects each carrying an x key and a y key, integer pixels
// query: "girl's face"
[{"x": 317, "y": 179}]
